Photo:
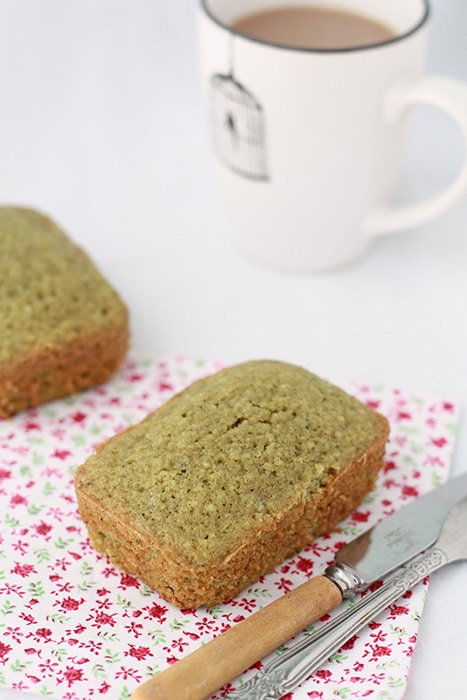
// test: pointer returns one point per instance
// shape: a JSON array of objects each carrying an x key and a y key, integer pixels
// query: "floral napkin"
[{"x": 73, "y": 627}]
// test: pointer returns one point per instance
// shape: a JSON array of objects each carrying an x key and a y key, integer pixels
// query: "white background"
[{"x": 101, "y": 127}]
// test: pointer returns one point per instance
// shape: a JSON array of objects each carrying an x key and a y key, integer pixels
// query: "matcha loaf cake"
[
  {"x": 62, "y": 327},
  {"x": 228, "y": 478}
]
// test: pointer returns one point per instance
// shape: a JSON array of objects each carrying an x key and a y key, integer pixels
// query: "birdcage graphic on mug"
[{"x": 238, "y": 127}]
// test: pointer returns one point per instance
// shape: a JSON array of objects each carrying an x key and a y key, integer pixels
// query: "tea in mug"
[{"x": 313, "y": 28}]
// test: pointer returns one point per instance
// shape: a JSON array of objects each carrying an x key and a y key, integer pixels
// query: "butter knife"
[
  {"x": 285, "y": 672},
  {"x": 384, "y": 548}
]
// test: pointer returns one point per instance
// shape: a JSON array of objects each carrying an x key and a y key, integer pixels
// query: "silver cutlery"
[{"x": 423, "y": 536}]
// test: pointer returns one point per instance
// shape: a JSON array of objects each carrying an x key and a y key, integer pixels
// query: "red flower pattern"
[
  {"x": 4, "y": 652},
  {"x": 84, "y": 629}
]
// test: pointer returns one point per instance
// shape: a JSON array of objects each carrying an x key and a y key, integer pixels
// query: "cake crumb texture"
[
  {"x": 228, "y": 478},
  {"x": 62, "y": 327}
]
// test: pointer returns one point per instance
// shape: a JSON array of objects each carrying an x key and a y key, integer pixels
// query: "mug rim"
[{"x": 349, "y": 49}]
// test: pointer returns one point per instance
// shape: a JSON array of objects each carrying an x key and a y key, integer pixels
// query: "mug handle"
[{"x": 450, "y": 96}]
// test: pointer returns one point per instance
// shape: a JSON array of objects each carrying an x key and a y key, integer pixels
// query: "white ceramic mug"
[{"x": 308, "y": 172}]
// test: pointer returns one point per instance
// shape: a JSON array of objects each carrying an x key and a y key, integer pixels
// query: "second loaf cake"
[
  {"x": 63, "y": 328},
  {"x": 228, "y": 478}
]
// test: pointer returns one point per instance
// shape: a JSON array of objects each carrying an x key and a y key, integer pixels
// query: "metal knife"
[{"x": 382, "y": 549}]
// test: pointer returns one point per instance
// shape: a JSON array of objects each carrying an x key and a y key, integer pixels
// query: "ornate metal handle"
[{"x": 283, "y": 673}]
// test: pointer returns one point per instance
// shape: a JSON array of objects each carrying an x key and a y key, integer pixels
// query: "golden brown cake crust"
[
  {"x": 63, "y": 327},
  {"x": 280, "y": 495}
]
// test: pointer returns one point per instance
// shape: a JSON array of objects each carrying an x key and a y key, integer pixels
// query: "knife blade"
[
  {"x": 401, "y": 535},
  {"x": 387, "y": 545}
]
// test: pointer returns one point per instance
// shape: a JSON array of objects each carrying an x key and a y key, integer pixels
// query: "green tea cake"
[
  {"x": 228, "y": 478},
  {"x": 62, "y": 327}
]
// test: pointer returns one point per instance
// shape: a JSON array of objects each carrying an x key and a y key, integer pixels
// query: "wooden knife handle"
[{"x": 201, "y": 673}]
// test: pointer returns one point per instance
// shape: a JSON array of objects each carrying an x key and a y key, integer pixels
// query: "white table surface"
[{"x": 101, "y": 127}]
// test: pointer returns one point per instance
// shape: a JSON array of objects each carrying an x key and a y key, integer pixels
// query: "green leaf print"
[
  {"x": 417, "y": 447},
  {"x": 78, "y": 440},
  {"x": 152, "y": 671},
  {"x": 11, "y": 521},
  {"x": 38, "y": 458},
  {"x": 260, "y": 593},
  {"x": 396, "y": 681},
  {"x": 60, "y": 652},
  {"x": 385, "y": 695},
  {"x": 7, "y": 607},
  {"x": 57, "y": 617},
  {"x": 158, "y": 637},
  {"x": 338, "y": 658},
  {"x": 111, "y": 658},
  {"x": 145, "y": 591},
  {"x": 36, "y": 589},
  {"x": 280, "y": 650},
  {"x": 216, "y": 612},
  {"x": 386, "y": 666},
  {"x": 451, "y": 427},
  {"x": 34, "y": 510},
  {"x": 35, "y": 440},
  {"x": 24, "y": 470},
  {"x": 42, "y": 555},
  {"x": 86, "y": 586},
  {"x": 351, "y": 530},
  {"x": 86, "y": 569},
  {"x": 124, "y": 603},
  {"x": 98, "y": 671},
  {"x": 178, "y": 624},
  {"x": 48, "y": 489},
  {"x": 108, "y": 636},
  {"x": 18, "y": 666}
]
